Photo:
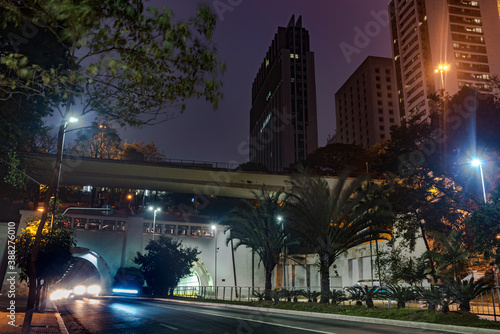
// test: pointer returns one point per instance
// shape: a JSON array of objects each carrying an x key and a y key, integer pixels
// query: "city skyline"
[{"x": 243, "y": 35}]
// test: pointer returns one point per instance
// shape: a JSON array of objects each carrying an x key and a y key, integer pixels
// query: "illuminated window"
[
  {"x": 79, "y": 223},
  {"x": 108, "y": 225}
]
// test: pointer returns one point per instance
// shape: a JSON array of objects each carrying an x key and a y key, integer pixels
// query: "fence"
[{"x": 486, "y": 304}]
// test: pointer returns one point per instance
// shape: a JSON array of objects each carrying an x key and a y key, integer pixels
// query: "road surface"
[{"x": 143, "y": 316}]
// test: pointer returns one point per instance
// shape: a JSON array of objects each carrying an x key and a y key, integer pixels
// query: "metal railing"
[{"x": 486, "y": 304}]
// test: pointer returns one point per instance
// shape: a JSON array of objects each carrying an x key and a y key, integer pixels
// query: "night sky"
[{"x": 243, "y": 37}]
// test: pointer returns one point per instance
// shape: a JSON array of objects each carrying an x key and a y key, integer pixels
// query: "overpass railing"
[{"x": 486, "y": 304}]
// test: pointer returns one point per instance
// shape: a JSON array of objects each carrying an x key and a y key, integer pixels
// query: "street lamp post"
[
  {"x": 476, "y": 163},
  {"x": 59, "y": 167},
  {"x": 155, "y": 210},
  {"x": 214, "y": 229},
  {"x": 280, "y": 220}
]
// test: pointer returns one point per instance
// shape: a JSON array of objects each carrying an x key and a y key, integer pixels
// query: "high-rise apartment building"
[
  {"x": 366, "y": 106},
  {"x": 283, "y": 124},
  {"x": 461, "y": 36}
]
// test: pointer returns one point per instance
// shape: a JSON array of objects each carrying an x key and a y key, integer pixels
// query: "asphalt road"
[{"x": 135, "y": 316}]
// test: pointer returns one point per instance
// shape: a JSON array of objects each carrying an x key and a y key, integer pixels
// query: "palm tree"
[
  {"x": 257, "y": 227},
  {"x": 449, "y": 252},
  {"x": 331, "y": 221}
]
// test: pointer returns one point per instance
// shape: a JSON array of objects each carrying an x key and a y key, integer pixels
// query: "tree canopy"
[
  {"x": 118, "y": 59},
  {"x": 55, "y": 251},
  {"x": 165, "y": 262}
]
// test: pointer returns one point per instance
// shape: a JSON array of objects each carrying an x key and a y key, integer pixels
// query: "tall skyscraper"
[
  {"x": 366, "y": 106},
  {"x": 283, "y": 123},
  {"x": 443, "y": 44}
]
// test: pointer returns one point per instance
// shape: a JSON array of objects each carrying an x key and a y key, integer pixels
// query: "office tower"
[
  {"x": 366, "y": 106},
  {"x": 443, "y": 45},
  {"x": 283, "y": 125}
]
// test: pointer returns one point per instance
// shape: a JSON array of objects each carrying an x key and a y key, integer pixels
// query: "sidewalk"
[{"x": 46, "y": 322}]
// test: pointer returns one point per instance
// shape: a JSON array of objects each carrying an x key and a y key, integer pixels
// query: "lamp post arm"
[{"x": 79, "y": 208}]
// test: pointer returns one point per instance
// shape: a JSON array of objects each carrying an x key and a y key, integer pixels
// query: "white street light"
[
  {"x": 155, "y": 210},
  {"x": 59, "y": 166},
  {"x": 214, "y": 229},
  {"x": 476, "y": 162}
]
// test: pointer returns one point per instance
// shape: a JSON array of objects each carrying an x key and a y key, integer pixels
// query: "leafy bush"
[
  {"x": 363, "y": 294},
  {"x": 463, "y": 292},
  {"x": 312, "y": 296},
  {"x": 260, "y": 295},
  {"x": 436, "y": 295},
  {"x": 401, "y": 294},
  {"x": 337, "y": 296}
]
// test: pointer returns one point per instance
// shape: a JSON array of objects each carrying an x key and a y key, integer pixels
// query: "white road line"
[
  {"x": 242, "y": 319},
  {"x": 170, "y": 327}
]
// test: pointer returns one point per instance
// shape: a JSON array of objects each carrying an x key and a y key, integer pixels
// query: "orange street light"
[{"x": 441, "y": 69}]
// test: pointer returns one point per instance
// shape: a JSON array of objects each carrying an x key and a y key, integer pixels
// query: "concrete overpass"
[{"x": 196, "y": 179}]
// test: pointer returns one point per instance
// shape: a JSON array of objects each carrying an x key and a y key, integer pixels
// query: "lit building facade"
[
  {"x": 283, "y": 121},
  {"x": 462, "y": 35},
  {"x": 366, "y": 106}
]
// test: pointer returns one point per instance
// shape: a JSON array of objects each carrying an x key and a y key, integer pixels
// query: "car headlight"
[
  {"x": 79, "y": 290},
  {"x": 94, "y": 290}
]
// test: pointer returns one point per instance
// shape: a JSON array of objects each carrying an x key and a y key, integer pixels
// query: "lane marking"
[
  {"x": 242, "y": 319},
  {"x": 170, "y": 327}
]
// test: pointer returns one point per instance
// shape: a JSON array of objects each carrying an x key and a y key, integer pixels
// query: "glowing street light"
[
  {"x": 442, "y": 68},
  {"x": 476, "y": 162},
  {"x": 155, "y": 210},
  {"x": 214, "y": 229},
  {"x": 59, "y": 166}
]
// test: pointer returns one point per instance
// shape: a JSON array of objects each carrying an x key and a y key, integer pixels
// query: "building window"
[{"x": 108, "y": 225}]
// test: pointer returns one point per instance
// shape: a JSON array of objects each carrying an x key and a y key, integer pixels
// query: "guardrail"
[{"x": 486, "y": 304}]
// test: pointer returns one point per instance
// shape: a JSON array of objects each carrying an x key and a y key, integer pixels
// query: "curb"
[
  {"x": 400, "y": 323},
  {"x": 60, "y": 322}
]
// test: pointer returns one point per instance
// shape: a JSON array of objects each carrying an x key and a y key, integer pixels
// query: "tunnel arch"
[{"x": 98, "y": 262}]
